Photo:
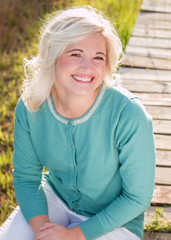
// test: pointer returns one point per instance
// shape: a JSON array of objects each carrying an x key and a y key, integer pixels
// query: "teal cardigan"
[{"x": 101, "y": 164}]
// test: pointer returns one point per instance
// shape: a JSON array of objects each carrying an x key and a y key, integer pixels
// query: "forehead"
[{"x": 93, "y": 42}]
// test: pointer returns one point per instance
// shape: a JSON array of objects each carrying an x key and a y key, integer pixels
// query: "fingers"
[
  {"x": 47, "y": 225},
  {"x": 44, "y": 230},
  {"x": 42, "y": 235},
  {"x": 52, "y": 230}
]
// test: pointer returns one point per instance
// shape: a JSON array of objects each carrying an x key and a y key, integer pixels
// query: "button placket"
[{"x": 72, "y": 147}]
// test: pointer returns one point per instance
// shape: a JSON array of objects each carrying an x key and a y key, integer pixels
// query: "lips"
[{"x": 81, "y": 78}]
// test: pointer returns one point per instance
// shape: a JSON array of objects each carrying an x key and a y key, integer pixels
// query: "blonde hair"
[{"x": 64, "y": 28}]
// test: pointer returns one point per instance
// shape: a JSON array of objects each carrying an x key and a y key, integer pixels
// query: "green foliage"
[
  {"x": 18, "y": 39},
  {"x": 159, "y": 223},
  {"x": 7, "y": 198}
]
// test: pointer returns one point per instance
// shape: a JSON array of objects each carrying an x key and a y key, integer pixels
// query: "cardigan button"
[{"x": 69, "y": 123}]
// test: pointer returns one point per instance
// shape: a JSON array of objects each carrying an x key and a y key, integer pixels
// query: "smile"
[{"x": 82, "y": 79}]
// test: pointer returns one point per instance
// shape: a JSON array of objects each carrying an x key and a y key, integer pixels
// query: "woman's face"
[{"x": 81, "y": 68}]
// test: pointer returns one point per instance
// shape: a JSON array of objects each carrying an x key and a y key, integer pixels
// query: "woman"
[{"x": 95, "y": 139}]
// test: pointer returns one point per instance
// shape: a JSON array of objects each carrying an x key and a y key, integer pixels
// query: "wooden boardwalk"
[{"x": 146, "y": 71}]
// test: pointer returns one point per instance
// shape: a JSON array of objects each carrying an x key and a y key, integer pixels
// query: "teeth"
[{"x": 82, "y": 79}]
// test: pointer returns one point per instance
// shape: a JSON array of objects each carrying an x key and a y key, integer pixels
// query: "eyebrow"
[
  {"x": 75, "y": 50},
  {"x": 72, "y": 50},
  {"x": 101, "y": 53}
]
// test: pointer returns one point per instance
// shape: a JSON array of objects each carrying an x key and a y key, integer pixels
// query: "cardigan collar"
[{"x": 81, "y": 119}]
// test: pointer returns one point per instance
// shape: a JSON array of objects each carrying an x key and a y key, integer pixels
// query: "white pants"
[{"x": 17, "y": 228}]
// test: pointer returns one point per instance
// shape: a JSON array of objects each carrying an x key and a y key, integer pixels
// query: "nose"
[{"x": 86, "y": 64}]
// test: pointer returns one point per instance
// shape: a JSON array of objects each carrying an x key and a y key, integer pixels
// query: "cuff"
[
  {"x": 32, "y": 209},
  {"x": 91, "y": 228}
]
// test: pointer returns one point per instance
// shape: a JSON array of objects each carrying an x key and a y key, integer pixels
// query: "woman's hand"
[{"x": 55, "y": 231}]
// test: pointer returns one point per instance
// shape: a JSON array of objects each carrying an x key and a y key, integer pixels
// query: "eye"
[
  {"x": 99, "y": 58},
  {"x": 76, "y": 55}
]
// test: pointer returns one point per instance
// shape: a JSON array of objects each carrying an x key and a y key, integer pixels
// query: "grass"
[
  {"x": 159, "y": 223},
  {"x": 19, "y": 25}
]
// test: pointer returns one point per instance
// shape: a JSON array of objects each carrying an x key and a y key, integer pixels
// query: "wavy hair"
[{"x": 66, "y": 27}]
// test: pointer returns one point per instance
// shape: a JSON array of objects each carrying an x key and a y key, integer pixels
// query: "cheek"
[
  {"x": 65, "y": 64},
  {"x": 101, "y": 68}
]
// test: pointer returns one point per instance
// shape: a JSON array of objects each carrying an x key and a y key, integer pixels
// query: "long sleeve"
[
  {"x": 27, "y": 171},
  {"x": 135, "y": 144}
]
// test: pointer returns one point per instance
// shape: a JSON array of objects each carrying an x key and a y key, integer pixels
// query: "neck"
[{"x": 73, "y": 107}]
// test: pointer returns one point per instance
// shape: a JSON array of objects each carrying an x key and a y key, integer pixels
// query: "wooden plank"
[
  {"x": 163, "y": 159},
  {"x": 149, "y": 42},
  {"x": 156, "y": 236},
  {"x": 160, "y": 2},
  {"x": 145, "y": 23},
  {"x": 155, "y": 98},
  {"x": 163, "y": 25},
  {"x": 163, "y": 142},
  {"x": 163, "y": 176},
  {"x": 152, "y": 7},
  {"x": 159, "y": 112},
  {"x": 155, "y": 33},
  {"x": 153, "y": 17},
  {"x": 148, "y": 52},
  {"x": 156, "y": 26},
  {"x": 161, "y": 195},
  {"x": 162, "y": 127},
  {"x": 145, "y": 74},
  {"x": 151, "y": 210},
  {"x": 146, "y": 62},
  {"x": 146, "y": 86}
]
